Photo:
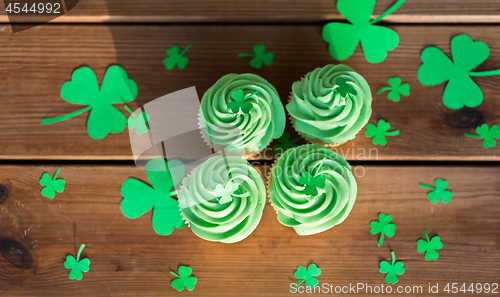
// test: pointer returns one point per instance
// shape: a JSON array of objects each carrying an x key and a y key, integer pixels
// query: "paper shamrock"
[
  {"x": 176, "y": 58},
  {"x": 284, "y": 143},
  {"x": 379, "y": 132},
  {"x": 396, "y": 89},
  {"x": 83, "y": 89},
  {"x": 138, "y": 122},
  {"x": 51, "y": 185},
  {"x": 307, "y": 275},
  {"x": 312, "y": 183},
  {"x": 259, "y": 56},
  {"x": 226, "y": 193},
  {"x": 139, "y": 198},
  {"x": 343, "y": 88},
  {"x": 383, "y": 227},
  {"x": 77, "y": 266},
  {"x": 184, "y": 279},
  {"x": 239, "y": 102},
  {"x": 376, "y": 41},
  {"x": 488, "y": 134},
  {"x": 392, "y": 269},
  {"x": 439, "y": 192},
  {"x": 429, "y": 247},
  {"x": 437, "y": 68}
]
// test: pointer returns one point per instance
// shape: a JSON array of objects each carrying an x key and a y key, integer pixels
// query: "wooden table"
[{"x": 129, "y": 259}]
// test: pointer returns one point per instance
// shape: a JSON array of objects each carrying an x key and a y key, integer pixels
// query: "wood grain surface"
[
  {"x": 129, "y": 259},
  {"x": 269, "y": 11},
  {"x": 36, "y": 62}
]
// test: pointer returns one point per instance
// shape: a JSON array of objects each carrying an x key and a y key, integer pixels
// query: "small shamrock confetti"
[
  {"x": 344, "y": 89},
  {"x": 396, "y": 89},
  {"x": 312, "y": 183},
  {"x": 383, "y": 227},
  {"x": 488, "y": 134},
  {"x": 429, "y": 247},
  {"x": 83, "y": 89},
  {"x": 138, "y": 122},
  {"x": 284, "y": 143},
  {"x": 392, "y": 269},
  {"x": 259, "y": 56},
  {"x": 226, "y": 194},
  {"x": 376, "y": 41},
  {"x": 437, "y": 68},
  {"x": 176, "y": 58},
  {"x": 379, "y": 132},
  {"x": 139, "y": 198},
  {"x": 239, "y": 102},
  {"x": 51, "y": 185},
  {"x": 308, "y": 275},
  {"x": 77, "y": 266},
  {"x": 184, "y": 279},
  {"x": 439, "y": 192}
]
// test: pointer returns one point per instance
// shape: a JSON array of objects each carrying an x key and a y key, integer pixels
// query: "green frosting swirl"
[
  {"x": 251, "y": 131},
  {"x": 311, "y": 214},
  {"x": 216, "y": 221},
  {"x": 320, "y": 112}
]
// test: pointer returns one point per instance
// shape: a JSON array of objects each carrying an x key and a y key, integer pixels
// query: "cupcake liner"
[
  {"x": 188, "y": 224},
  {"x": 311, "y": 140},
  {"x": 269, "y": 183},
  {"x": 245, "y": 154}
]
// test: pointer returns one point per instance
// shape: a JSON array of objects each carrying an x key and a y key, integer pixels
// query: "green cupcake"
[
  {"x": 223, "y": 199},
  {"x": 242, "y": 113},
  {"x": 312, "y": 188},
  {"x": 330, "y": 105}
]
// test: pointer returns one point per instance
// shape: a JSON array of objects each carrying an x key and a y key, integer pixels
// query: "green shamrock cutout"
[
  {"x": 439, "y": 192},
  {"x": 77, "y": 266},
  {"x": 383, "y": 227},
  {"x": 379, "y": 132},
  {"x": 138, "y": 122},
  {"x": 184, "y": 279},
  {"x": 176, "y": 58},
  {"x": 226, "y": 193},
  {"x": 429, "y": 247},
  {"x": 392, "y": 269},
  {"x": 239, "y": 102},
  {"x": 312, "y": 183},
  {"x": 259, "y": 56},
  {"x": 139, "y": 198},
  {"x": 51, "y": 185},
  {"x": 396, "y": 89},
  {"x": 376, "y": 41},
  {"x": 83, "y": 89},
  {"x": 284, "y": 143},
  {"x": 437, "y": 68},
  {"x": 344, "y": 89},
  {"x": 488, "y": 134},
  {"x": 307, "y": 275}
]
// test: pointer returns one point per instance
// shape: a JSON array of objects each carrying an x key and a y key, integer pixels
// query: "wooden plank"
[
  {"x": 413, "y": 11},
  {"x": 38, "y": 61},
  {"x": 129, "y": 259}
]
